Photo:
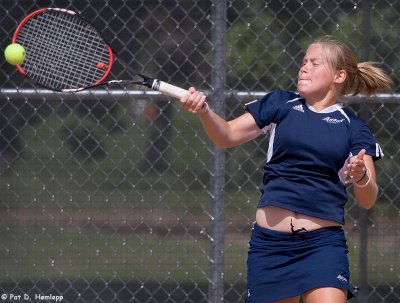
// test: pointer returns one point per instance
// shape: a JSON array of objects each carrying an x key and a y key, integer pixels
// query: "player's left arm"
[{"x": 361, "y": 173}]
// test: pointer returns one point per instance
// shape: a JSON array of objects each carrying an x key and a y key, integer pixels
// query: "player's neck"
[{"x": 322, "y": 103}]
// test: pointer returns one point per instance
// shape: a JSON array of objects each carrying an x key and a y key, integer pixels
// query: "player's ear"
[{"x": 340, "y": 76}]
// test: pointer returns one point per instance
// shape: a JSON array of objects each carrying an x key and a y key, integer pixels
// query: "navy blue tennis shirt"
[{"x": 308, "y": 152}]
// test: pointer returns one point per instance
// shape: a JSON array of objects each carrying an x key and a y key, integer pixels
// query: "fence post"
[
  {"x": 216, "y": 267},
  {"x": 363, "y": 218}
]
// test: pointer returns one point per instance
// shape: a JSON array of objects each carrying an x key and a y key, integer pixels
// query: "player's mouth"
[{"x": 303, "y": 81}]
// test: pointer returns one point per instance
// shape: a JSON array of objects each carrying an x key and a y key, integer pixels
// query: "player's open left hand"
[{"x": 356, "y": 169}]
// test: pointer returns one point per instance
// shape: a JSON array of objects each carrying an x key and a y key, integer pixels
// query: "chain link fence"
[{"x": 118, "y": 196}]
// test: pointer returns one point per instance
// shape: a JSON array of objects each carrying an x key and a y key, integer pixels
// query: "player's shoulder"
[
  {"x": 277, "y": 98},
  {"x": 284, "y": 95},
  {"x": 281, "y": 97}
]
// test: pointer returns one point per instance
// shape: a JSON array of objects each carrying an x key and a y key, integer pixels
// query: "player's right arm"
[{"x": 223, "y": 133}]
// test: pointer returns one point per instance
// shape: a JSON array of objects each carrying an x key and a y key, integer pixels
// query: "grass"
[{"x": 52, "y": 254}]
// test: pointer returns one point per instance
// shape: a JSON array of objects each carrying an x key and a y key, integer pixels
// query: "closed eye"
[{"x": 313, "y": 62}]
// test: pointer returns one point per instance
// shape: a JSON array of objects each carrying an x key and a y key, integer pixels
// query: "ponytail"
[{"x": 370, "y": 80}]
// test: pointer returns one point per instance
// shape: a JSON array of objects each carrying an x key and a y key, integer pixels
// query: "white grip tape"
[{"x": 168, "y": 89}]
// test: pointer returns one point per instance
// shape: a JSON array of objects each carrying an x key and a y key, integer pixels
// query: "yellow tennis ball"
[{"x": 14, "y": 54}]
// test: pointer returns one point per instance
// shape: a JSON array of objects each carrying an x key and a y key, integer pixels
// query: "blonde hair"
[{"x": 362, "y": 78}]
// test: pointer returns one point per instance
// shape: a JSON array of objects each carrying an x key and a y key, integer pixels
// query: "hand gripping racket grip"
[{"x": 164, "y": 87}]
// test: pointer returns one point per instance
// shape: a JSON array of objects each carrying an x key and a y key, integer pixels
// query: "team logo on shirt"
[
  {"x": 332, "y": 120},
  {"x": 299, "y": 108}
]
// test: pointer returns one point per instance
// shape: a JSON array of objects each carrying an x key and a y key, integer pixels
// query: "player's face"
[{"x": 315, "y": 79}]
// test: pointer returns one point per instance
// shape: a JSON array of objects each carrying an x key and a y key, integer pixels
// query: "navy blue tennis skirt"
[{"x": 284, "y": 265}]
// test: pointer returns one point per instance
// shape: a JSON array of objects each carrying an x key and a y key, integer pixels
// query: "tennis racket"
[{"x": 66, "y": 53}]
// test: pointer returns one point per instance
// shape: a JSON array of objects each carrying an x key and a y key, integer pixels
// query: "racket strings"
[{"x": 63, "y": 51}]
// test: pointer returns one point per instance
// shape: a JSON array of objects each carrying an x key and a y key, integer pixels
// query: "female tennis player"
[{"x": 316, "y": 147}]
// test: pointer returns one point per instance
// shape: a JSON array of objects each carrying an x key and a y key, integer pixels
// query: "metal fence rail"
[{"x": 117, "y": 195}]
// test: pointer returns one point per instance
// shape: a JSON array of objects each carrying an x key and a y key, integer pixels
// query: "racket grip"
[{"x": 168, "y": 89}]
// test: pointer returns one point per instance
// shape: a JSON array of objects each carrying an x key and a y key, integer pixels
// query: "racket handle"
[
  {"x": 163, "y": 87},
  {"x": 168, "y": 89}
]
